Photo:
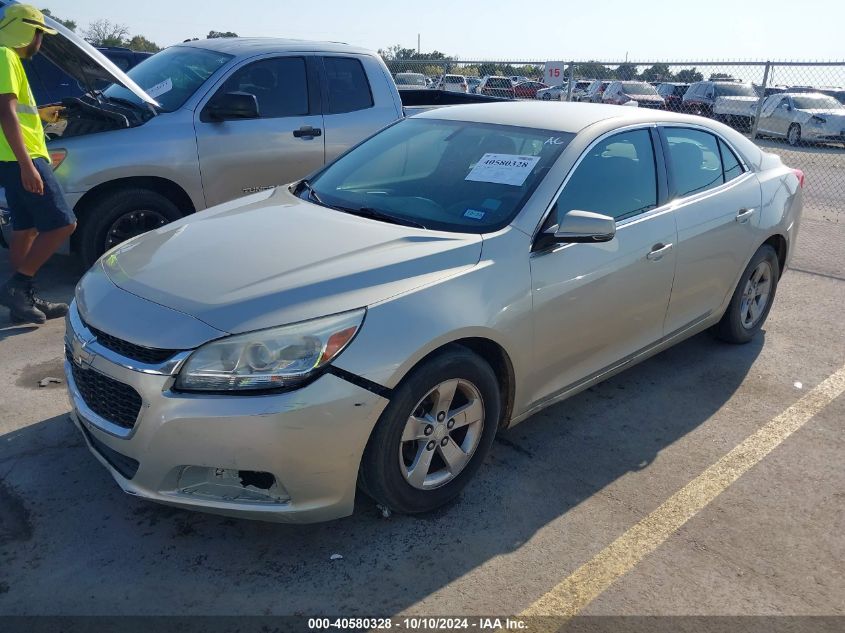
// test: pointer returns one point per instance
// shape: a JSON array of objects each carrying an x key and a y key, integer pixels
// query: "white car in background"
[
  {"x": 518, "y": 79},
  {"x": 810, "y": 117},
  {"x": 453, "y": 83},
  {"x": 553, "y": 93}
]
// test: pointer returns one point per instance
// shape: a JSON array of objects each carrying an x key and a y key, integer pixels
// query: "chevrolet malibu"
[{"x": 373, "y": 326}]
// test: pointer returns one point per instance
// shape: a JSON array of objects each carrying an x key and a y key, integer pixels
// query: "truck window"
[
  {"x": 348, "y": 87},
  {"x": 279, "y": 84}
]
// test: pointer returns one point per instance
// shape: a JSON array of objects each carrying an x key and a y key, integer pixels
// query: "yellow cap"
[{"x": 18, "y": 23}]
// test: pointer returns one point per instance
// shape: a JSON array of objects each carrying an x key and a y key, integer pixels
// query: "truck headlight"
[{"x": 269, "y": 359}]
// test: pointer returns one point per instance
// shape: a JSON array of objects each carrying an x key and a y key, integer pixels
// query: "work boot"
[
  {"x": 51, "y": 310},
  {"x": 19, "y": 298}
]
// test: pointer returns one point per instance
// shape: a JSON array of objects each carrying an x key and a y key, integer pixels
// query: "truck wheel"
[
  {"x": 119, "y": 216},
  {"x": 434, "y": 434}
]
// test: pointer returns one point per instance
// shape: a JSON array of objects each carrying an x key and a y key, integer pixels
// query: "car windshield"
[
  {"x": 637, "y": 88},
  {"x": 410, "y": 80},
  {"x": 499, "y": 82},
  {"x": 171, "y": 76},
  {"x": 735, "y": 90},
  {"x": 445, "y": 175},
  {"x": 817, "y": 102}
]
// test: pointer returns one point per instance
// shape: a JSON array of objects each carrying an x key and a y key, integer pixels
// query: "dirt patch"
[
  {"x": 32, "y": 376},
  {"x": 14, "y": 517}
]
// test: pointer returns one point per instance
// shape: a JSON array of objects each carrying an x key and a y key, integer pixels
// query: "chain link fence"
[{"x": 793, "y": 108}]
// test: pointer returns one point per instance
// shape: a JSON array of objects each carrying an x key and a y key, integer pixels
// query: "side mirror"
[
  {"x": 583, "y": 227},
  {"x": 232, "y": 105}
]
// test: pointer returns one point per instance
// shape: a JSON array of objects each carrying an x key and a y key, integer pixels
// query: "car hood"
[
  {"x": 735, "y": 105},
  {"x": 83, "y": 62},
  {"x": 271, "y": 258}
]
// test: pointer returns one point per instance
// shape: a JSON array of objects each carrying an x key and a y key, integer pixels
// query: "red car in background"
[{"x": 528, "y": 89}]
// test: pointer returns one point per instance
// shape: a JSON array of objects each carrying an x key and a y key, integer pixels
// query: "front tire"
[
  {"x": 793, "y": 135},
  {"x": 434, "y": 434},
  {"x": 119, "y": 216},
  {"x": 752, "y": 299}
]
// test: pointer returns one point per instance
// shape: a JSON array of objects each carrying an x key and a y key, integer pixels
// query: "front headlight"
[
  {"x": 269, "y": 359},
  {"x": 818, "y": 120}
]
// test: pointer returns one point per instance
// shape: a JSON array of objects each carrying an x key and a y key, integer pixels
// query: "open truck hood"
[{"x": 83, "y": 62}]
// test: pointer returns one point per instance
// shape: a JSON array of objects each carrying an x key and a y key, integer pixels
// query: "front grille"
[
  {"x": 147, "y": 355},
  {"x": 112, "y": 400},
  {"x": 126, "y": 466}
]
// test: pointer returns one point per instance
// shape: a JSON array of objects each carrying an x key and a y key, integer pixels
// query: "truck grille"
[
  {"x": 147, "y": 355},
  {"x": 112, "y": 400}
]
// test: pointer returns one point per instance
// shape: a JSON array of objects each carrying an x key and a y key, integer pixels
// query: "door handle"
[
  {"x": 306, "y": 131},
  {"x": 743, "y": 215},
  {"x": 658, "y": 251}
]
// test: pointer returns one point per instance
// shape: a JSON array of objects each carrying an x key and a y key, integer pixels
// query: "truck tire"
[{"x": 119, "y": 216}]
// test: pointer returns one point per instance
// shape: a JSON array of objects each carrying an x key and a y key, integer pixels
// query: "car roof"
[
  {"x": 258, "y": 45},
  {"x": 560, "y": 117}
]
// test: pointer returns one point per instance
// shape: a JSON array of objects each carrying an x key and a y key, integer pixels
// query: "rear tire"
[
  {"x": 752, "y": 299},
  {"x": 140, "y": 210},
  {"x": 395, "y": 449}
]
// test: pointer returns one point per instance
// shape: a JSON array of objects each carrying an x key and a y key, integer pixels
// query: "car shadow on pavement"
[{"x": 72, "y": 543}]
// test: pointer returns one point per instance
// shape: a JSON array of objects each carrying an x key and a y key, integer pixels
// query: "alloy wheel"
[
  {"x": 131, "y": 224},
  {"x": 441, "y": 434},
  {"x": 755, "y": 297}
]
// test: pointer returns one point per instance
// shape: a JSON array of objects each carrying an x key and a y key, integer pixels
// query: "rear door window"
[
  {"x": 730, "y": 163},
  {"x": 347, "y": 85},
  {"x": 695, "y": 161}
]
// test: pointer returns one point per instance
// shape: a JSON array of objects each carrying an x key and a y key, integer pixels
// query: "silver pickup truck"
[{"x": 202, "y": 123}]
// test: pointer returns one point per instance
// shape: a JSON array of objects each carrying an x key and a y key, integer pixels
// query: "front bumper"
[{"x": 191, "y": 450}]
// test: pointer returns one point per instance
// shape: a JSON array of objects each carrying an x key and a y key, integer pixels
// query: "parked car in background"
[
  {"x": 644, "y": 94},
  {"x": 204, "y": 122},
  {"x": 836, "y": 93},
  {"x": 496, "y": 86},
  {"x": 267, "y": 357},
  {"x": 410, "y": 81},
  {"x": 518, "y": 79},
  {"x": 551, "y": 93},
  {"x": 453, "y": 83},
  {"x": 528, "y": 89},
  {"x": 701, "y": 97},
  {"x": 579, "y": 89},
  {"x": 673, "y": 95},
  {"x": 50, "y": 84},
  {"x": 594, "y": 91},
  {"x": 809, "y": 117},
  {"x": 472, "y": 84}
]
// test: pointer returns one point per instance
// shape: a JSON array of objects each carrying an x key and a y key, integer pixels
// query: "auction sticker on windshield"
[
  {"x": 160, "y": 88},
  {"x": 504, "y": 169}
]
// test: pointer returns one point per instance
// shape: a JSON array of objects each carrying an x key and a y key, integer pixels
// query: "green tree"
[
  {"x": 217, "y": 34},
  {"x": 721, "y": 77},
  {"x": 106, "y": 33},
  {"x": 626, "y": 71},
  {"x": 68, "y": 24},
  {"x": 689, "y": 76},
  {"x": 593, "y": 70},
  {"x": 658, "y": 72},
  {"x": 141, "y": 43}
]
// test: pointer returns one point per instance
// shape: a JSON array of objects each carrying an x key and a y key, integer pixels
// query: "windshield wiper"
[
  {"x": 376, "y": 214},
  {"x": 306, "y": 184}
]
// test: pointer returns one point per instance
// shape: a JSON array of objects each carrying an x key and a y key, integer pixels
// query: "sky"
[{"x": 503, "y": 30}]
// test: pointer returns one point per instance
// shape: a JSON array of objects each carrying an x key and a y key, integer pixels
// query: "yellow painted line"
[{"x": 594, "y": 577}]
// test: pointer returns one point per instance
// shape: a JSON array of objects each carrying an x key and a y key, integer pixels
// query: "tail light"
[
  {"x": 57, "y": 157},
  {"x": 800, "y": 175}
]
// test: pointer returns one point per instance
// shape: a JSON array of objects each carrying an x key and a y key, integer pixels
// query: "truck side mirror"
[{"x": 231, "y": 106}]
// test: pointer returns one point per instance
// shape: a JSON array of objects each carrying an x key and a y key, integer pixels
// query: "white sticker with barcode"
[{"x": 504, "y": 169}]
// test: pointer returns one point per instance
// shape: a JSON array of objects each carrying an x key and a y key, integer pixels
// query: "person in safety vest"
[{"x": 41, "y": 217}]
